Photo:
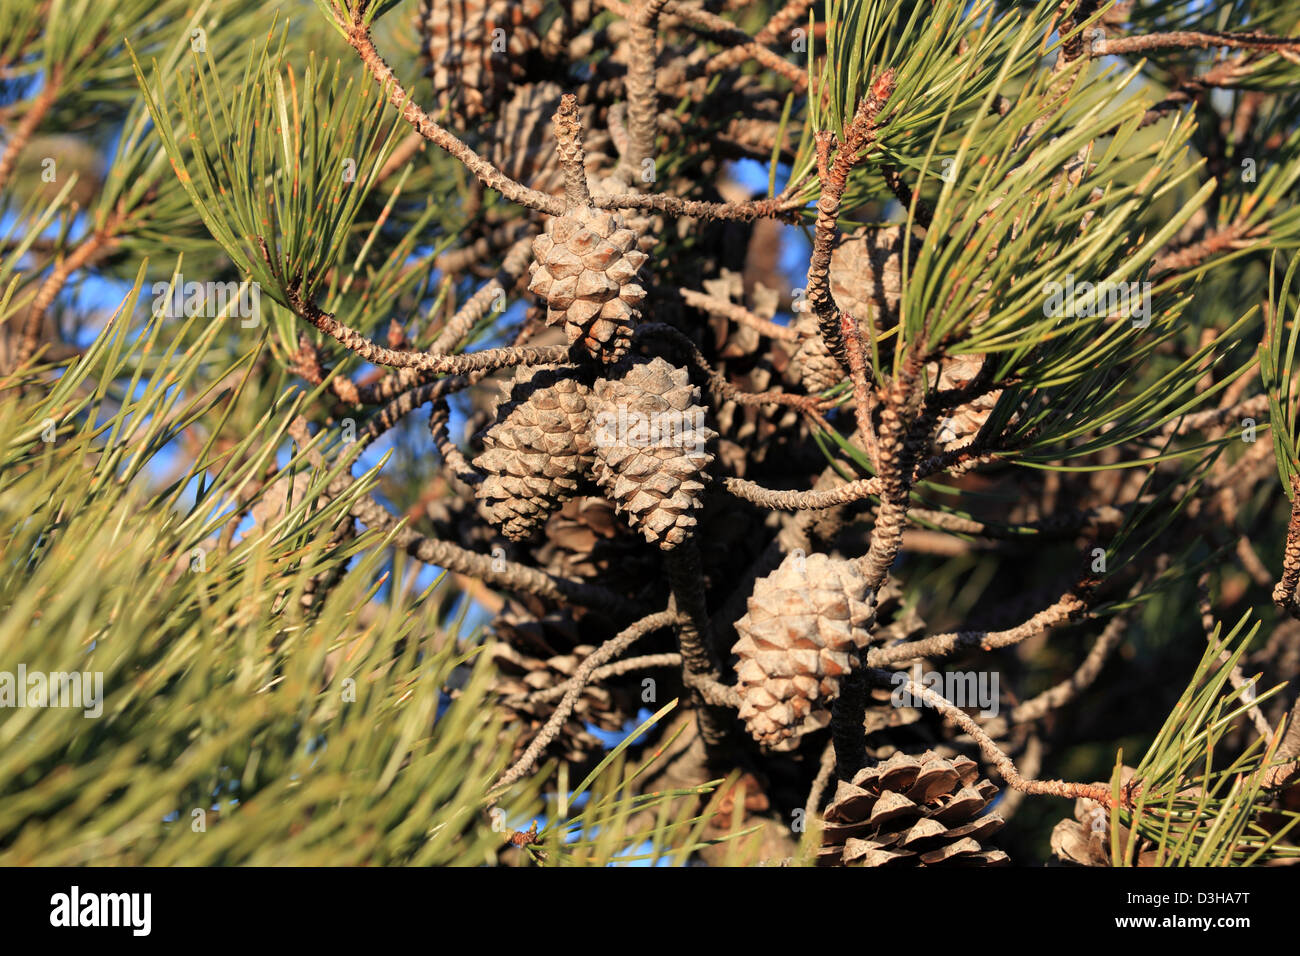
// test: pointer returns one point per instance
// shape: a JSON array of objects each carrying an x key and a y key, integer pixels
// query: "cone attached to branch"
[
  {"x": 651, "y": 447},
  {"x": 586, "y": 264},
  {"x": 806, "y": 621},
  {"x": 961, "y": 424},
  {"x": 912, "y": 811},
  {"x": 585, "y": 268},
  {"x": 538, "y": 450}
]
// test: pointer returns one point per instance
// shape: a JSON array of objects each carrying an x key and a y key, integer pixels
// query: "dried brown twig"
[
  {"x": 1191, "y": 40},
  {"x": 994, "y": 755},
  {"x": 834, "y": 176}
]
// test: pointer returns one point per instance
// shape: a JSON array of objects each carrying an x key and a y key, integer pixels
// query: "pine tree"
[{"x": 401, "y": 398}]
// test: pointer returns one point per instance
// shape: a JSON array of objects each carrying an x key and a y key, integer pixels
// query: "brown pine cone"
[
  {"x": 866, "y": 274},
  {"x": 961, "y": 424},
  {"x": 586, "y": 539},
  {"x": 1085, "y": 840},
  {"x": 534, "y": 654},
  {"x": 538, "y": 450},
  {"x": 812, "y": 363},
  {"x": 585, "y": 268},
  {"x": 651, "y": 446},
  {"x": 475, "y": 48},
  {"x": 805, "y": 622},
  {"x": 912, "y": 811}
]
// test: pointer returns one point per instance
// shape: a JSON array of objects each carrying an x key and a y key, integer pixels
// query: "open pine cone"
[
  {"x": 1085, "y": 840},
  {"x": 912, "y": 811},
  {"x": 534, "y": 654},
  {"x": 587, "y": 539},
  {"x": 866, "y": 273}
]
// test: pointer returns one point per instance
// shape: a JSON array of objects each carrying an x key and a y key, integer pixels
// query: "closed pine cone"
[
  {"x": 812, "y": 363},
  {"x": 912, "y": 811},
  {"x": 651, "y": 448},
  {"x": 585, "y": 269},
  {"x": 643, "y": 222},
  {"x": 805, "y": 622},
  {"x": 866, "y": 274},
  {"x": 475, "y": 48},
  {"x": 537, "y": 452}
]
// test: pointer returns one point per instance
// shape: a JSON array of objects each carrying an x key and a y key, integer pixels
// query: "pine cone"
[
  {"x": 537, "y": 451},
  {"x": 647, "y": 225},
  {"x": 651, "y": 448},
  {"x": 963, "y": 423},
  {"x": 798, "y": 638},
  {"x": 866, "y": 274},
  {"x": 475, "y": 48},
  {"x": 586, "y": 539},
  {"x": 584, "y": 269},
  {"x": 912, "y": 811},
  {"x": 812, "y": 363}
]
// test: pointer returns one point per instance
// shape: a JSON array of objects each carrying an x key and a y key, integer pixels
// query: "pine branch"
[
  {"x": 702, "y": 671},
  {"x": 358, "y": 35},
  {"x": 434, "y": 362},
  {"x": 738, "y": 314},
  {"x": 514, "y": 265},
  {"x": 568, "y": 137},
  {"x": 791, "y": 14},
  {"x": 993, "y": 754},
  {"x": 1191, "y": 40},
  {"x": 953, "y": 462},
  {"x": 1061, "y": 694},
  {"x": 1284, "y": 595},
  {"x": 610, "y": 649},
  {"x": 491, "y": 570},
  {"x": 99, "y": 243},
  {"x": 834, "y": 177},
  {"x": 630, "y": 665},
  {"x": 1066, "y": 610},
  {"x": 642, "y": 100},
  {"x": 32, "y": 118}
]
